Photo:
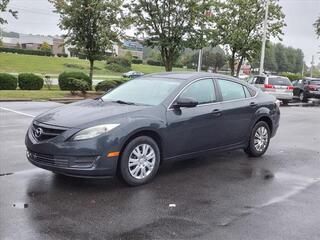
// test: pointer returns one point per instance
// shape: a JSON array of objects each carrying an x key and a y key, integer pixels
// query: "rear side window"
[
  {"x": 202, "y": 91},
  {"x": 282, "y": 81},
  {"x": 231, "y": 90},
  {"x": 259, "y": 80}
]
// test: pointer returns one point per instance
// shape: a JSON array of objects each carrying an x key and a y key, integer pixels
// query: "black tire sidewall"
[
  {"x": 251, "y": 150},
  {"x": 124, "y": 169}
]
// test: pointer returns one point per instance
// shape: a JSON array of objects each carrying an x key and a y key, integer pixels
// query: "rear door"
[{"x": 238, "y": 108}]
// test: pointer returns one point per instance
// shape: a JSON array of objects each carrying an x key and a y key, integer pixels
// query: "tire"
[
  {"x": 285, "y": 102},
  {"x": 258, "y": 150},
  {"x": 302, "y": 97},
  {"x": 143, "y": 154}
]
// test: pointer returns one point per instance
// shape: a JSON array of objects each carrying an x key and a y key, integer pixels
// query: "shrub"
[
  {"x": 30, "y": 81},
  {"x": 78, "y": 85},
  {"x": 154, "y": 62},
  {"x": 137, "y": 61},
  {"x": 7, "y": 81},
  {"x": 105, "y": 85},
  {"x": 62, "y": 55},
  {"x": 109, "y": 84},
  {"x": 291, "y": 76},
  {"x": 65, "y": 78},
  {"x": 26, "y": 51},
  {"x": 118, "y": 64}
]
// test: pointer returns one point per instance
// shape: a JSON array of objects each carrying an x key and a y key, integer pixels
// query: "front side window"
[
  {"x": 231, "y": 90},
  {"x": 202, "y": 91}
]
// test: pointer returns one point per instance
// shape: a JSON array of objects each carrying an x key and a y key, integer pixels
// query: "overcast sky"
[{"x": 36, "y": 16}]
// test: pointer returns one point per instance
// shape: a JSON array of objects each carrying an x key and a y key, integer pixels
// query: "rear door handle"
[
  {"x": 217, "y": 112},
  {"x": 253, "y": 104}
]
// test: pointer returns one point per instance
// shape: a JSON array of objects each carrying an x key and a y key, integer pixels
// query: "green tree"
[
  {"x": 171, "y": 25},
  {"x": 317, "y": 26},
  {"x": 91, "y": 25},
  {"x": 45, "y": 47},
  {"x": 212, "y": 58},
  {"x": 279, "y": 58},
  {"x": 239, "y": 25},
  {"x": 4, "y": 8}
]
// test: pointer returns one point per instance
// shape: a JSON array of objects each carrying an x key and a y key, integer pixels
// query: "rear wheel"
[
  {"x": 302, "y": 97},
  {"x": 259, "y": 140},
  {"x": 140, "y": 161},
  {"x": 285, "y": 102}
]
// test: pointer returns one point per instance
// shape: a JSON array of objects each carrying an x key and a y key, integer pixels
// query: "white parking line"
[{"x": 21, "y": 113}]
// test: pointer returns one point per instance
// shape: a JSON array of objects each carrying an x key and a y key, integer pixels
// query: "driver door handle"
[{"x": 217, "y": 112}]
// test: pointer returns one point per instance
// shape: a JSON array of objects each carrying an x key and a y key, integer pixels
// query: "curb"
[{"x": 16, "y": 100}]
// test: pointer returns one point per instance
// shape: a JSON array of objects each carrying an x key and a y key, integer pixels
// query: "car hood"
[{"x": 85, "y": 112}]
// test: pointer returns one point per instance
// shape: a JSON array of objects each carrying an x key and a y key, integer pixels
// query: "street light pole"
[
  {"x": 312, "y": 62},
  {"x": 264, "y": 38},
  {"x": 200, "y": 60}
]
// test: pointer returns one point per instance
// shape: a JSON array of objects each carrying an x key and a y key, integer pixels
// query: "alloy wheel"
[
  {"x": 301, "y": 96},
  {"x": 261, "y": 139}
]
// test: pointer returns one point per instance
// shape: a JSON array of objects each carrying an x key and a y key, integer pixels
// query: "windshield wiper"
[{"x": 124, "y": 102}]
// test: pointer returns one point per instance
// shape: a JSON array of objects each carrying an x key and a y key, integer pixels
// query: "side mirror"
[{"x": 185, "y": 102}]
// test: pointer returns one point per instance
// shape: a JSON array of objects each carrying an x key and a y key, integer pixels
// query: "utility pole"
[
  {"x": 312, "y": 62},
  {"x": 200, "y": 60},
  {"x": 264, "y": 38}
]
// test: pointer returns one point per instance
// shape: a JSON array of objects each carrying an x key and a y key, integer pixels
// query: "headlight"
[{"x": 93, "y": 131}]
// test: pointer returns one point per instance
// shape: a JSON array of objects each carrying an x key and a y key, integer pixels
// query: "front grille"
[
  {"x": 62, "y": 161},
  {"x": 45, "y": 132},
  {"x": 48, "y": 159}
]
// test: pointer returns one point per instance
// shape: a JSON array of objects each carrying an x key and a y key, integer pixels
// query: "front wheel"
[
  {"x": 302, "y": 97},
  {"x": 259, "y": 140},
  {"x": 140, "y": 161}
]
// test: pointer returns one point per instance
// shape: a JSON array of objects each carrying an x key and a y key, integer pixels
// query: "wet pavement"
[{"x": 224, "y": 196}]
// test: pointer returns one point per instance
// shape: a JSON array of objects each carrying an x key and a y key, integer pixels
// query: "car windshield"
[
  {"x": 145, "y": 91},
  {"x": 315, "y": 82},
  {"x": 283, "y": 81}
]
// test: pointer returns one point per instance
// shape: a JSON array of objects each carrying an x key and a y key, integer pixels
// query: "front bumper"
[{"x": 86, "y": 158}]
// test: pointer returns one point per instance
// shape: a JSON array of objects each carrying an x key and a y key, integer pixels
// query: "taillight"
[
  {"x": 268, "y": 86},
  {"x": 312, "y": 87},
  {"x": 290, "y": 87}
]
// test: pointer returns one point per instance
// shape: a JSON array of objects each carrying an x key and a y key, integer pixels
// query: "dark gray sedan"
[{"x": 146, "y": 121}]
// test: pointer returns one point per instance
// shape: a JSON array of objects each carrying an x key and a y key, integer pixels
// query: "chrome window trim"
[{"x": 213, "y": 103}]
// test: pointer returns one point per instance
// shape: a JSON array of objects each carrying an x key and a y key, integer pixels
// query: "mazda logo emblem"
[{"x": 38, "y": 132}]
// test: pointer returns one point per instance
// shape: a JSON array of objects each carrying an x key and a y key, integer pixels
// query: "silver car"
[{"x": 279, "y": 86}]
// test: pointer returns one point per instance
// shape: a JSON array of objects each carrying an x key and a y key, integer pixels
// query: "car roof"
[{"x": 186, "y": 75}]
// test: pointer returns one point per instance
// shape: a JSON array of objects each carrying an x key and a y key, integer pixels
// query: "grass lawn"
[
  {"x": 32, "y": 94},
  {"x": 18, "y": 63}
]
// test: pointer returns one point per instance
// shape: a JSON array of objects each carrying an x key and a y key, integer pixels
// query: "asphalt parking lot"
[{"x": 224, "y": 196}]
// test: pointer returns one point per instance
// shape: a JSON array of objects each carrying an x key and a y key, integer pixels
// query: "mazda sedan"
[{"x": 135, "y": 127}]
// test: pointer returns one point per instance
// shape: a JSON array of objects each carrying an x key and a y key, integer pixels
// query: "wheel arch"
[
  {"x": 143, "y": 132},
  {"x": 267, "y": 120}
]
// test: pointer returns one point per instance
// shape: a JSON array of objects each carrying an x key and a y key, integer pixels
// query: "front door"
[{"x": 198, "y": 128}]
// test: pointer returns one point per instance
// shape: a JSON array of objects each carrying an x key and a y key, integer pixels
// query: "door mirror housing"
[{"x": 185, "y": 102}]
